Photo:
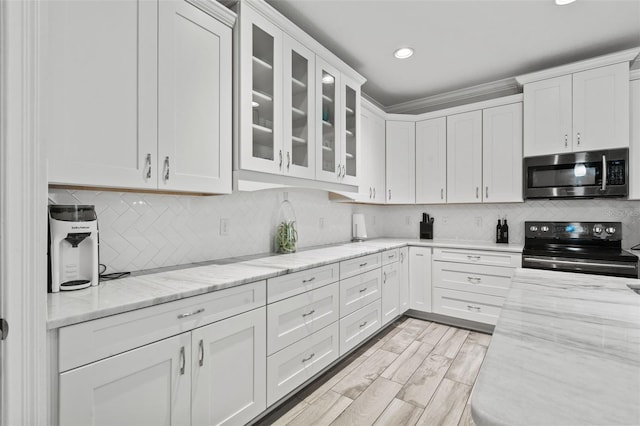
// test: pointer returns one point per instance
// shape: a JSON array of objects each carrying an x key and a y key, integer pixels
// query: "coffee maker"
[{"x": 73, "y": 247}]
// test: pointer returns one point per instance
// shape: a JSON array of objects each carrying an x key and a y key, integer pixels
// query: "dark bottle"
[
  {"x": 505, "y": 232},
  {"x": 499, "y": 232}
]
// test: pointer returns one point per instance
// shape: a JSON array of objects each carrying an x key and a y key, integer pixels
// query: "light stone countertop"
[
  {"x": 152, "y": 287},
  {"x": 565, "y": 351}
]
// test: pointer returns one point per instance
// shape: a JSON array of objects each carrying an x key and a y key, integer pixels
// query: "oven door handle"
[
  {"x": 582, "y": 262},
  {"x": 604, "y": 173}
]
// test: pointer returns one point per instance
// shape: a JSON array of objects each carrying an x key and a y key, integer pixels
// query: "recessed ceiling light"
[
  {"x": 403, "y": 53},
  {"x": 327, "y": 79},
  {"x": 255, "y": 104},
  {"x": 564, "y": 2}
]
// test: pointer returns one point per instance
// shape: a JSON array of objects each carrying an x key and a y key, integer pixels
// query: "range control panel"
[{"x": 610, "y": 231}]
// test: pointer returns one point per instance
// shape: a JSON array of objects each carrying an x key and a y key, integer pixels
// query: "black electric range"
[{"x": 585, "y": 247}]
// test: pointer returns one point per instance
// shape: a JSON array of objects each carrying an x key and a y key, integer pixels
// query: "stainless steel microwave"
[{"x": 592, "y": 174}]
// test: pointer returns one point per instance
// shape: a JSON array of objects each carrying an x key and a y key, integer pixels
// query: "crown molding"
[
  {"x": 599, "y": 61},
  {"x": 372, "y": 105},
  {"x": 217, "y": 10}
]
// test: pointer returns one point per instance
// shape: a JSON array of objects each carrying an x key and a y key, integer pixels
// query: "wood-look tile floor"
[{"x": 413, "y": 372}]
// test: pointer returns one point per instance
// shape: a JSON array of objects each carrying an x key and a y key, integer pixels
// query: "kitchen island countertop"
[{"x": 565, "y": 351}]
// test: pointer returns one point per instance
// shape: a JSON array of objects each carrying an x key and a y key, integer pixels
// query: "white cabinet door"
[
  {"x": 329, "y": 125},
  {"x": 404, "y": 279},
  {"x": 502, "y": 153},
  {"x": 194, "y": 99},
  {"x": 299, "y": 110},
  {"x": 634, "y": 149},
  {"x": 401, "y": 164},
  {"x": 351, "y": 138},
  {"x": 548, "y": 117},
  {"x": 431, "y": 161},
  {"x": 260, "y": 102},
  {"x": 372, "y": 164},
  {"x": 145, "y": 386},
  {"x": 229, "y": 370},
  {"x": 420, "y": 278},
  {"x": 601, "y": 108},
  {"x": 99, "y": 92},
  {"x": 390, "y": 292},
  {"x": 464, "y": 157}
]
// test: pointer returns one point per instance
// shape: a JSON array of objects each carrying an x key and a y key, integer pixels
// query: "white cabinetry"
[
  {"x": 372, "y": 164},
  {"x": 125, "y": 106},
  {"x": 390, "y": 292},
  {"x": 634, "y": 149},
  {"x": 401, "y": 164},
  {"x": 502, "y": 153},
  {"x": 464, "y": 157},
  {"x": 404, "y": 279},
  {"x": 584, "y": 111},
  {"x": 420, "y": 278},
  {"x": 431, "y": 161}
]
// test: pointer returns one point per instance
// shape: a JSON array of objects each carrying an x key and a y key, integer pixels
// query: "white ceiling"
[{"x": 461, "y": 43}]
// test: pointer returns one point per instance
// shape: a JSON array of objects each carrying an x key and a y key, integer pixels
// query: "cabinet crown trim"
[
  {"x": 599, "y": 61},
  {"x": 216, "y": 10}
]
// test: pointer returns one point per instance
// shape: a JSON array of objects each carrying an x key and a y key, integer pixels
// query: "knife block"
[{"x": 426, "y": 231}]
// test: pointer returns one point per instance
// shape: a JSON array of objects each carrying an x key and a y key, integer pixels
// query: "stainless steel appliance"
[
  {"x": 591, "y": 174},
  {"x": 585, "y": 247}
]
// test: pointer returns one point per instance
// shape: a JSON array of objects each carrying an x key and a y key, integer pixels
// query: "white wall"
[{"x": 144, "y": 231}]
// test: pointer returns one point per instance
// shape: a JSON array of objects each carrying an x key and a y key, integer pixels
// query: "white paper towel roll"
[{"x": 359, "y": 229}]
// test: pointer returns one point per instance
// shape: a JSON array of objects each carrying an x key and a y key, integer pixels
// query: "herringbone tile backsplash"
[{"x": 144, "y": 231}]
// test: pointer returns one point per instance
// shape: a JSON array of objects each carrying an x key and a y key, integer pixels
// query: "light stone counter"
[
  {"x": 143, "y": 290},
  {"x": 565, "y": 351}
]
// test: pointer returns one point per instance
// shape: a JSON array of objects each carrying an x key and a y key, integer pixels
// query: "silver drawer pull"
[
  {"x": 309, "y": 357},
  {"x": 419, "y": 254},
  {"x": 311, "y": 312},
  {"x": 362, "y": 265},
  {"x": 473, "y": 257},
  {"x": 475, "y": 280},
  {"x": 363, "y": 290},
  {"x": 183, "y": 361},
  {"x": 309, "y": 280},
  {"x": 199, "y": 311},
  {"x": 201, "y": 350},
  {"x": 384, "y": 281},
  {"x": 391, "y": 256},
  {"x": 473, "y": 308},
  {"x": 363, "y": 324}
]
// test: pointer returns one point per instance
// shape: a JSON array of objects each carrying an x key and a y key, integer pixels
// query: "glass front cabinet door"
[
  {"x": 329, "y": 123},
  {"x": 350, "y": 91},
  {"x": 261, "y": 99}
]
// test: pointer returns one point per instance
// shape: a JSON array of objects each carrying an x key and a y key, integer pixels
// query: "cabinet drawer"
[
  {"x": 361, "y": 324},
  {"x": 490, "y": 280},
  {"x": 357, "y": 292},
  {"x": 465, "y": 305},
  {"x": 297, "y": 363},
  {"x": 90, "y": 341},
  {"x": 356, "y": 266},
  {"x": 299, "y": 282},
  {"x": 297, "y": 317},
  {"x": 491, "y": 258},
  {"x": 390, "y": 256}
]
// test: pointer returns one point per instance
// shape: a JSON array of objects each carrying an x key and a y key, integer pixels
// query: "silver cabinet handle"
[
  {"x": 201, "y": 350},
  {"x": 391, "y": 256},
  {"x": 370, "y": 193},
  {"x": 166, "y": 169},
  {"x": 362, "y": 265},
  {"x": 419, "y": 254},
  {"x": 578, "y": 138},
  {"x": 311, "y": 312},
  {"x": 196, "y": 312},
  {"x": 363, "y": 324},
  {"x": 183, "y": 361},
  {"x": 566, "y": 141},
  {"x": 339, "y": 170},
  {"x": 309, "y": 280},
  {"x": 401, "y": 257},
  {"x": 344, "y": 170},
  {"x": 473, "y": 308},
  {"x": 288, "y": 160},
  {"x": 308, "y": 358},
  {"x": 442, "y": 193},
  {"x": 384, "y": 280},
  {"x": 363, "y": 290},
  {"x": 475, "y": 280},
  {"x": 148, "y": 166},
  {"x": 389, "y": 194},
  {"x": 604, "y": 173},
  {"x": 280, "y": 165},
  {"x": 486, "y": 192},
  {"x": 476, "y": 258},
  {"x": 477, "y": 192},
  {"x": 374, "y": 193}
]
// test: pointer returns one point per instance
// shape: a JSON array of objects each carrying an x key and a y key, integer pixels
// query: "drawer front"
[
  {"x": 490, "y": 280},
  {"x": 469, "y": 306},
  {"x": 299, "y": 282},
  {"x": 358, "y": 326},
  {"x": 90, "y": 341},
  {"x": 357, "y": 292},
  {"x": 490, "y": 258},
  {"x": 356, "y": 266},
  {"x": 390, "y": 256},
  {"x": 300, "y": 316},
  {"x": 297, "y": 363}
]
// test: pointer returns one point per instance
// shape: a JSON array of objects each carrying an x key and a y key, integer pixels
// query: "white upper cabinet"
[
  {"x": 261, "y": 95},
  {"x": 372, "y": 163},
  {"x": 464, "y": 157},
  {"x": 502, "y": 153},
  {"x": 194, "y": 126},
  {"x": 351, "y": 139},
  {"x": 401, "y": 165},
  {"x": 124, "y": 106},
  {"x": 299, "y": 107},
  {"x": 431, "y": 161},
  {"x": 634, "y": 148},
  {"x": 583, "y": 111},
  {"x": 329, "y": 127}
]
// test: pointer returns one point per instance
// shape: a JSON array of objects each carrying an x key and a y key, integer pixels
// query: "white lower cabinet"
[
  {"x": 295, "y": 364},
  {"x": 470, "y": 306},
  {"x": 420, "y": 278},
  {"x": 361, "y": 324},
  {"x": 403, "y": 278},
  {"x": 390, "y": 292}
]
